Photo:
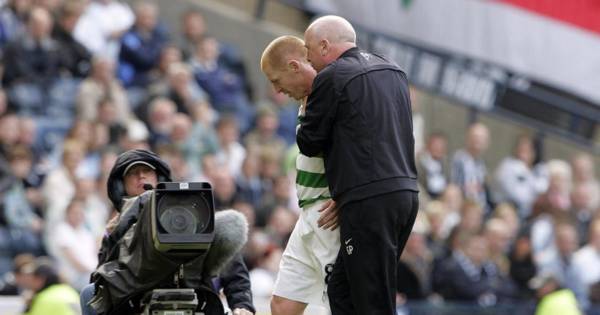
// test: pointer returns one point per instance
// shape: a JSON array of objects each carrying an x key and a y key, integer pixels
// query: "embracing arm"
[{"x": 315, "y": 127}]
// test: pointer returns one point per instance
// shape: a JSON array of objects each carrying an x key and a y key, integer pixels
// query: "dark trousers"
[{"x": 373, "y": 233}]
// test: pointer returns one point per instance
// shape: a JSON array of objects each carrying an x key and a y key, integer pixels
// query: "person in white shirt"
[
  {"x": 101, "y": 26},
  {"x": 586, "y": 261},
  {"x": 519, "y": 181},
  {"x": 76, "y": 245}
]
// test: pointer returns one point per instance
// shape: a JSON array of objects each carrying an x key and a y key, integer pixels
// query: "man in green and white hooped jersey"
[{"x": 314, "y": 244}]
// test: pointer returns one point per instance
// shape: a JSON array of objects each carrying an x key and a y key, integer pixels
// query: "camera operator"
[{"x": 133, "y": 173}]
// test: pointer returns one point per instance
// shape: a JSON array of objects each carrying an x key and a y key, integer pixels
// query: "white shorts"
[{"x": 307, "y": 260}]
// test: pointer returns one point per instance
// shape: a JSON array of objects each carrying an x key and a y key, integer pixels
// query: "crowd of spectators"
[
  {"x": 486, "y": 237},
  {"x": 83, "y": 81}
]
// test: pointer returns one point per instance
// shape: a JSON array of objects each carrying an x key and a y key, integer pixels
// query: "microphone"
[
  {"x": 231, "y": 234},
  {"x": 148, "y": 186}
]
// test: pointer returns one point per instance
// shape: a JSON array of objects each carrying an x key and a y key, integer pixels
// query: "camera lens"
[
  {"x": 182, "y": 214},
  {"x": 178, "y": 220}
]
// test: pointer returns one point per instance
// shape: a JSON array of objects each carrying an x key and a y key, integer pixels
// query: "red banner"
[{"x": 581, "y": 13}]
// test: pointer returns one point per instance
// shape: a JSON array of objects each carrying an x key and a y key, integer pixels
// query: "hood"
[{"x": 115, "y": 186}]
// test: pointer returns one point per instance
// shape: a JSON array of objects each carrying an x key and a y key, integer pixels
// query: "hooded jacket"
[{"x": 115, "y": 187}]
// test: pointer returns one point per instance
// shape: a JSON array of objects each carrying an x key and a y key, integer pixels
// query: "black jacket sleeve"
[
  {"x": 314, "y": 134},
  {"x": 236, "y": 285}
]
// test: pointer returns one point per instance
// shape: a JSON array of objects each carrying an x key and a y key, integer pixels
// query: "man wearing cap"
[
  {"x": 51, "y": 295},
  {"x": 134, "y": 172}
]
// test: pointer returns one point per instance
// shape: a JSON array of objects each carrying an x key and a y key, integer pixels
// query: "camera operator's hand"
[{"x": 242, "y": 311}]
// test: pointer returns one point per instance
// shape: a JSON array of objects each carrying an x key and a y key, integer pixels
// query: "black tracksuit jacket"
[{"x": 359, "y": 116}]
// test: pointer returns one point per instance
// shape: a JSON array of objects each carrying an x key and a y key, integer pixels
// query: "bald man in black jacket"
[{"x": 359, "y": 116}]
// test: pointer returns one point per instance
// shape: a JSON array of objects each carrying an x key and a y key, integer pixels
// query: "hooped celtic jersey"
[{"x": 311, "y": 182}]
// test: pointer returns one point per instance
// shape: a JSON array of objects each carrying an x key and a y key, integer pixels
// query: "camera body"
[
  {"x": 163, "y": 264},
  {"x": 183, "y": 218}
]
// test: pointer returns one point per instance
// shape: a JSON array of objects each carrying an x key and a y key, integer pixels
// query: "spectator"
[
  {"x": 13, "y": 16},
  {"x": 28, "y": 136},
  {"x": 77, "y": 246},
  {"x": 180, "y": 170},
  {"x": 203, "y": 130},
  {"x": 17, "y": 282},
  {"x": 194, "y": 31},
  {"x": 157, "y": 84},
  {"x": 51, "y": 295},
  {"x": 18, "y": 210},
  {"x": 287, "y": 115},
  {"x": 586, "y": 260},
  {"x": 224, "y": 190},
  {"x": 141, "y": 46},
  {"x": 584, "y": 173},
  {"x": 466, "y": 275},
  {"x": 107, "y": 116},
  {"x": 498, "y": 239},
  {"x": 180, "y": 87},
  {"x": 553, "y": 298},
  {"x": 416, "y": 264},
  {"x": 161, "y": 113},
  {"x": 263, "y": 275},
  {"x": 559, "y": 188},
  {"x": 550, "y": 208},
  {"x": 169, "y": 55},
  {"x": 264, "y": 136},
  {"x": 95, "y": 208},
  {"x": 224, "y": 87},
  {"x": 581, "y": 210},
  {"x": 561, "y": 264},
  {"x": 231, "y": 152},
  {"x": 280, "y": 224},
  {"x": 59, "y": 187},
  {"x": 33, "y": 57},
  {"x": 270, "y": 170},
  {"x": 432, "y": 165},
  {"x": 247, "y": 210},
  {"x": 507, "y": 213},
  {"x": 102, "y": 25},
  {"x": 468, "y": 167},
  {"x": 437, "y": 236},
  {"x": 452, "y": 199},
  {"x": 33, "y": 64},
  {"x": 279, "y": 196},
  {"x": 522, "y": 266},
  {"x": 519, "y": 182},
  {"x": 192, "y": 140},
  {"x": 248, "y": 182},
  {"x": 134, "y": 136},
  {"x": 76, "y": 57},
  {"x": 99, "y": 87},
  {"x": 258, "y": 242},
  {"x": 471, "y": 217},
  {"x": 9, "y": 136}
]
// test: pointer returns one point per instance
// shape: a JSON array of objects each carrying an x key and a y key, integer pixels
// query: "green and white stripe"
[{"x": 311, "y": 183}]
